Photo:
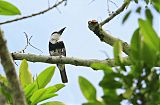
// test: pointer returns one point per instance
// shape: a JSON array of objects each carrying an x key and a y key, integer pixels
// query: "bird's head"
[
  {"x": 59, "y": 32},
  {"x": 55, "y": 36}
]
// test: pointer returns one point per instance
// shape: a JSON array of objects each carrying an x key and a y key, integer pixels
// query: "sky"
[{"x": 80, "y": 42}]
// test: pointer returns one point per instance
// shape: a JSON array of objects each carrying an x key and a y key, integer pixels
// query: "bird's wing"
[
  {"x": 57, "y": 49},
  {"x": 62, "y": 49}
]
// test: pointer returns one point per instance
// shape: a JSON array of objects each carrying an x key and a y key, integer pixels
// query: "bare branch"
[
  {"x": 64, "y": 60},
  {"x": 108, "y": 7},
  {"x": 48, "y": 4},
  {"x": 34, "y": 46},
  {"x": 109, "y": 12},
  {"x": 106, "y": 37},
  {"x": 8, "y": 65},
  {"x": 27, "y": 41},
  {"x": 113, "y": 3},
  {"x": 91, "y": 1},
  {"x": 118, "y": 11},
  {"x": 32, "y": 15}
]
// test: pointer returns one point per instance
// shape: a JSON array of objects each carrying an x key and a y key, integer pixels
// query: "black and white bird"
[{"x": 57, "y": 48}]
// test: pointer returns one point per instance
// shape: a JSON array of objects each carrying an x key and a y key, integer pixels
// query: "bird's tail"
[{"x": 63, "y": 73}]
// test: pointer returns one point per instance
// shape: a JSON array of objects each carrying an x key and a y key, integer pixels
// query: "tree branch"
[
  {"x": 8, "y": 65},
  {"x": 118, "y": 11},
  {"x": 35, "y": 14},
  {"x": 69, "y": 60},
  {"x": 64, "y": 60},
  {"x": 106, "y": 37}
]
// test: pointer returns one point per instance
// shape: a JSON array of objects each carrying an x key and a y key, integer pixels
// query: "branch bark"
[
  {"x": 106, "y": 37},
  {"x": 32, "y": 15},
  {"x": 10, "y": 71},
  {"x": 68, "y": 60},
  {"x": 65, "y": 60},
  {"x": 118, "y": 11}
]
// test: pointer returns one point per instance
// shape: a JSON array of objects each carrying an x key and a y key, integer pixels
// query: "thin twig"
[
  {"x": 29, "y": 43},
  {"x": 48, "y": 4},
  {"x": 113, "y": 3},
  {"x": 34, "y": 46},
  {"x": 109, "y": 12},
  {"x": 91, "y": 1},
  {"x": 32, "y": 15},
  {"x": 118, "y": 11},
  {"x": 58, "y": 10},
  {"x": 105, "y": 53}
]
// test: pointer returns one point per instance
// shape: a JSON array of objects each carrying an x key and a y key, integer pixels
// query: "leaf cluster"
[
  {"x": 148, "y": 6},
  {"x": 138, "y": 84},
  {"x": 35, "y": 90}
]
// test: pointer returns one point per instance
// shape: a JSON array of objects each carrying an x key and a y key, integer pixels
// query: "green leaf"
[
  {"x": 88, "y": 90},
  {"x": 29, "y": 90},
  {"x": 117, "y": 52},
  {"x": 126, "y": 17},
  {"x": 55, "y": 88},
  {"x": 128, "y": 93},
  {"x": 109, "y": 82},
  {"x": 136, "y": 1},
  {"x": 136, "y": 49},
  {"x": 110, "y": 97},
  {"x": 147, "y": 1},
  {"x": 37, "y": 95},
  {"x": 41, "y": 82},
  {"x": 138, "y": 10},
  {"x": 44, "y": 97},
  {"x": 156, "y": 5},
  {"x": 149, "y": 16},
  {"x": 24, "y": 74},
  {"x": 151, "y": 42},
  {"x": 7, "y": 8},
  {"x": 150, "y": 36},
  {"x": 54, "y": 103},
  {"x": 101, "y": 66},
  {"x": 44, "y": 77},
  {"x": 47, "y": 93}
]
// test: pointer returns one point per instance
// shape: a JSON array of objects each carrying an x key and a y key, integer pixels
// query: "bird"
[{"x": 57, "y": 48}]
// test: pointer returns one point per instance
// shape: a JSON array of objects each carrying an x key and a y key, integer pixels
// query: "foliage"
[
  {"x": 138, "y": 84},
  {"x": 7, "y": 8},
  {"x": 35, "y": 90},
  {"x": 155, "y": 4},
  {"x": 24, "y": 74},
  {"x": 89, "y": 92}
]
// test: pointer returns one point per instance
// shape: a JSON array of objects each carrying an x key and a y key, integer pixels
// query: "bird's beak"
[{"x": 61, "y": 31}]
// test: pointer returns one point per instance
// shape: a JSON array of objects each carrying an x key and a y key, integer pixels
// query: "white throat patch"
[{"x": 54, "y": 38}]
